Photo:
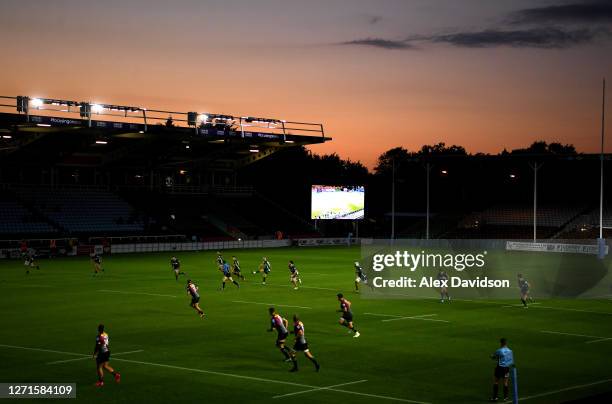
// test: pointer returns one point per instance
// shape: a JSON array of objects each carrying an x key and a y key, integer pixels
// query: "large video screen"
[{"x": 337, "y": 202}]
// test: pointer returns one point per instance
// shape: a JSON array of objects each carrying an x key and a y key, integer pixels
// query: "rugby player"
[
  {"x": 264, "y": 269},
  {"x": 505, "y": 360},
  {"x": 301, "y": 345},
  {"x": 347, "y": 315},
  {"x": 29, "y": 261},
  {"x": 295, "y": 275},
  {"x": 220, "y": 261},
  {"x": 236, "y": 268},
  {"x": 97, "y": 263},
  {"x": 280, "y": 324},
  {"x": 360, "y": 276},
  {"x": 192, "y": 290},
  {"x": 524, "y": 288},
  {"x": 443, "y": 277},
  {"x": 227, "y": 276},
  {"x": 176, "y": 267},
  {"x": 102, "y": 356}
]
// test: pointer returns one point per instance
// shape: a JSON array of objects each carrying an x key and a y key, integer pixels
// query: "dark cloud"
[
  {"x": 380, "y": 43},
  {"x": 523, "y": 38},
  {"x": 584, "y": 12}
]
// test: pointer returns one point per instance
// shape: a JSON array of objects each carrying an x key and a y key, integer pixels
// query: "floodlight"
[
  {"x": 37, "y": 102},
  {"x": 97, "y": 108}
]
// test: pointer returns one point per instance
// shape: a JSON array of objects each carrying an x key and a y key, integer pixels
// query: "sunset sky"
[{"x": 378, "y": 74}]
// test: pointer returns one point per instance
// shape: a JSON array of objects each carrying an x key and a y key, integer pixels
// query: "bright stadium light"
[
  {"x": 513, "y": 176},
  {"x": 203, "y": 117},
  {"x": 101, "y": 142},
  {"x": 7, "y": 137},
  {"x": 254, "y": 150},
  {"x": 97, "y": 108},
  {"x": 37, "y": 102},
  {"x": 44, "y": 125}
]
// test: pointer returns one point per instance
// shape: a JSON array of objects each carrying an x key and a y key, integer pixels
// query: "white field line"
[
  {"x": 258, "y": 379},
  {"x": 319, "y": 389},
  {"x": 598, "y": 340},
  {"x": 418, "y": 317},
  {"x": 595, "y": 338},
  {"x": 43, "y": 350},
  {"x": 537, "y": 307},
  {"x": 89, "y": 356},
  {"x": 134, "y": 293},
  {"x": 520, "y": 305},
  {"x": 301, "y": 287},
  {"x": 270, "y": 304},
  {"x": 550, "y": 393}
]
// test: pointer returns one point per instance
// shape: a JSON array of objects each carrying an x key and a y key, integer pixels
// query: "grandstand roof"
[{"x": 64, "y": 137}]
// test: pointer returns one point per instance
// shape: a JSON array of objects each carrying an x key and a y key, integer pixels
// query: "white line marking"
[
  {"x": 42, "y": 350},
  {"x": 270, "y": 304},
  {"x": 381, "y": 315},
  {"x": 319, "y": 389},
  {"x": 422, "y": 317},
  {"x": 596, "y": 337},
  {"x": 135, "y": 293},
  {"x": 225, "y": 374},
  {"x": 580, "y": 386},
  {"x": 521, "y": 305},
  {"x": 301, "y": 287},
  {"x": 598, "y": 340},
  {"x": 89, "y": 356},
  {"x": 268, "y": 380},
  {"x": 419, "y": 317}
]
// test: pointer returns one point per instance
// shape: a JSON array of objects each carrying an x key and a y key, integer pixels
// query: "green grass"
[{"x": 59, "y": 307}]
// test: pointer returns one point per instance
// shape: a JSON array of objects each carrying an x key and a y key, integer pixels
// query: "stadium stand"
[
  {"x": 18, "y": 219},
  {"x": 513, "y": 215},
  {"x": 83, "y": 210}
]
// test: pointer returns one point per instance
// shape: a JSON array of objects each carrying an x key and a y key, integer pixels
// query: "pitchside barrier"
[
  {"x": 555, "y": 247},
  {"x": 196, "y": 246}
]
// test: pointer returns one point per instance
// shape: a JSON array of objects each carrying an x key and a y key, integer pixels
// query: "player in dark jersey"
[
  {"x": 294, "y": 277},
  {"x": 227, "y": 276},
  {"x": 443, "y": 277},
  {"x": 29, "y": 261},
  {"x": 524, "y": 288},
  {"x": 236, "y": 268},
  {"x": 264, "y": 269},
  {"x": 192, "y": 290},
  {"x": 96, "y": 260},
  {"x": 300, "y": 344},
  {"x": 102, "y": 356},
  {"x": 360, "y": 276},
  {"x": 347, "y": 315},
  {"x": 176, "y": 267},
  {"x": 280, "y": 324},
  {"x": 220, "y": 261}
]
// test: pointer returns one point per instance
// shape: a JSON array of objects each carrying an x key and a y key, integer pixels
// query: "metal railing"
[{"x": 87, "y": 111}]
